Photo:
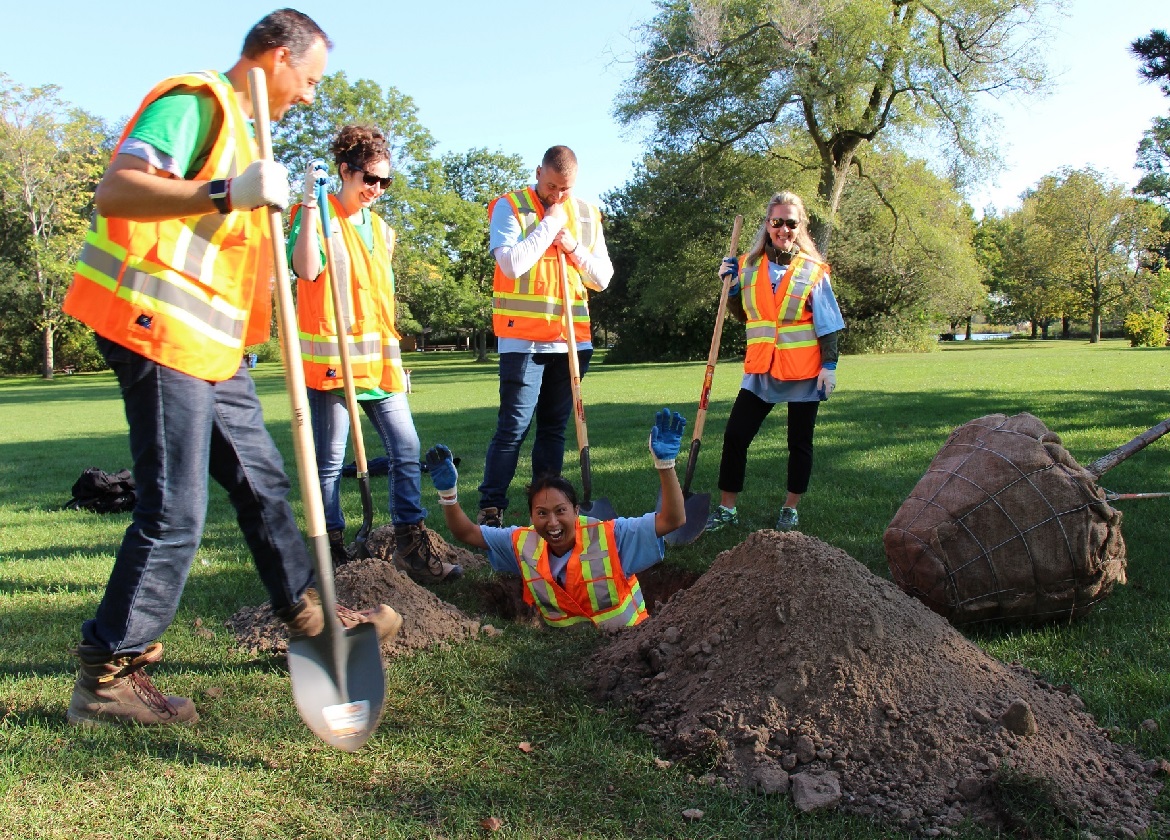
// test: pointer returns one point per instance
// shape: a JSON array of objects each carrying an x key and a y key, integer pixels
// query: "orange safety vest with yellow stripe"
[
  {"x": 366, "y": 281},
  {"x": 781, "y": 341},
  {"x": 530, "y": 306},
  {"x": 188, "y": 293},
  {"x": 596, "y": 589}
]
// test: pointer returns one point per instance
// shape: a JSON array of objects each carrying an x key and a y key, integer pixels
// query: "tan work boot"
[
  {"x": 115, "y": 690},
  {"x": 493, "y": 517},
  {"x": 307, "y": 618},
  {"x": 412, "y": 554}
]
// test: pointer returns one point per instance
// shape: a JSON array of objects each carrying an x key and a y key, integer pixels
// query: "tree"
[
  {"x": 414, "y": 205},
  {"x": 1100, "y": 233},
  {"x": 1153, "y": 51},
  {"x": 903, "y": 259},
  {"x": 475, "y": 177},
  {"x": 1023, "y": 265},
  {"x": 51, "y": 156},
  {"x": 726, "y": 74}
]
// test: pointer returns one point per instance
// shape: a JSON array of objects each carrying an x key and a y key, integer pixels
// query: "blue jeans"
[
  {"x": 392, "y": 420},
  {"x": 183, "y": 429},
  {"x": 533, "y": 386}
]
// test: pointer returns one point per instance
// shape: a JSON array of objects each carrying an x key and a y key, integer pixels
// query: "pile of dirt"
[
  {"x": 793, "y": 667},
  {"x": 361, "y": 584}
]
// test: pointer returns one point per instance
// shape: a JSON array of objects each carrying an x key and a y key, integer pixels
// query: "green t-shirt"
[
  {"x": 183, "y": 125},
  {"x": 365, "y": 230}
]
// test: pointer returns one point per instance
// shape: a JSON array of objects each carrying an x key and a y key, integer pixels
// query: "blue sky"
[{"x": 544, "y": 75}]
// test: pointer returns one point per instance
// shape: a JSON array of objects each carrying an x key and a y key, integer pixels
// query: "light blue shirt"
[
  {"x": 638, "y": 547},
  {"x": 826, "y": 315}
]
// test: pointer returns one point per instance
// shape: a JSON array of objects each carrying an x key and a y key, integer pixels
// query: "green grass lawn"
[{"x": 445, "y": 756}]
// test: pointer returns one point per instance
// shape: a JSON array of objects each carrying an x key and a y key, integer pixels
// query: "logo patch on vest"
[
  {"x": 511, "y": 322},
  {"x": 331, "y": 373},
  {"x": 143, "y": 321}
]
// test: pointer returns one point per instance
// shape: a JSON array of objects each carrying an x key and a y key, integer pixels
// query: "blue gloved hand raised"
[
  {"x": 730, "y": 268},
  {"x": 666, "y": 438},
  {"x": 440, "y": 466}
]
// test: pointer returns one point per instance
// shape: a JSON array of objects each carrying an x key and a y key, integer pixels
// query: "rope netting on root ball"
[{"x": 1006, "y": 526}]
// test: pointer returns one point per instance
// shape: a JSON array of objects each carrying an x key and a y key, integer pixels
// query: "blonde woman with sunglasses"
[{"x": 780, "y": 289}]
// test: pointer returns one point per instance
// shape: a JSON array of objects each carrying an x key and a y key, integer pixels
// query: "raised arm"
[
  {"x": 440, "y": 466},
  {"x": 665, "y": 442}
]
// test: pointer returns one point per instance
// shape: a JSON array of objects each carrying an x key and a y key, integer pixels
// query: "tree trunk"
[
  {"x": 968, "y": 327},
  {"x": 1065, "y": 327},
  {"x": 47, "y": 370},
  {"x": 1044, "y": 328},
  {"x": 1035, "y": 328},
  {"x": 481, "y": 345}
]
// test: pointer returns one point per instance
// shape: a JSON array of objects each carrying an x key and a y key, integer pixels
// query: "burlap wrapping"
[{"x": 1006, "y": 526}]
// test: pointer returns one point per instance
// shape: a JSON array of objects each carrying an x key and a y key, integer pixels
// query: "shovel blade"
[
  {"x": 339, "y": 685},
  {"x": 599, "y": 509},
  {"x": 698, "y": 508}
]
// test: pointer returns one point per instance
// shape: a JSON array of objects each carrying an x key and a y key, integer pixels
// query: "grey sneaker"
[
  {"x": 493, "y": 517},
  {"x": 788, "y": 521},
  {"x": 722, "y": 517}
]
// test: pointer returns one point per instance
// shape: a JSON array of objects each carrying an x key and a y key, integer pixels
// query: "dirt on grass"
[
  {"x": 790, "y": 667},
  {"x": 427, "y": 620}
]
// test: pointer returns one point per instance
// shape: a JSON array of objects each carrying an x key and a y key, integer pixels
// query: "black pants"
[{"x": 747, "y": 415}]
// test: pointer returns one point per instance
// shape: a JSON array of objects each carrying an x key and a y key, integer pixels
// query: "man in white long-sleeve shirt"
[{"x": 531, "y": 229}]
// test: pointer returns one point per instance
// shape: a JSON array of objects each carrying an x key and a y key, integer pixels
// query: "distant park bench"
[{"x": 442, "y": 347}]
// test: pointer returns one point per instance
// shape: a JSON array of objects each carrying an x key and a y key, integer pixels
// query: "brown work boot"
[
  {"x": 307, "y": 618},
  {"x": 337, "y": 550},
  {"x": 493, "y": 517},
  {"x": 115, "y": 690},
  {"x": 413, "y": 555}
]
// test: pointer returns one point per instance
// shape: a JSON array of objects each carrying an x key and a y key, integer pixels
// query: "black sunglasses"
[
  {"x": 369, "y": 180},
  {"x": 791, "y": 224}
]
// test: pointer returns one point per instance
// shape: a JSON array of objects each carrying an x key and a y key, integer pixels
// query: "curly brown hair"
[{"x": 359, "y": 146}]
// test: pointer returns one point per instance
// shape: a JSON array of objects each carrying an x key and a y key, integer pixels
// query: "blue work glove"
[
  {"x": 730, "y": 268},
  {"x": 440, "y": 466},
  {"x": 666, "y": 438}
]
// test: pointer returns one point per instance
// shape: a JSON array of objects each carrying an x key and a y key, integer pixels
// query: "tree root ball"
[{"x": 1006, "y": 526}]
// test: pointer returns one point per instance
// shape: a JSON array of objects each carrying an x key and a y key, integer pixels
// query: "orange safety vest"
[
  {"x": 596, "y": 589},
  {"x": 366, "y": 281},
  {"x": 188, "y": 293},
  {"x": 530, "y": 307},
  {"x": 781, "y": 340}
]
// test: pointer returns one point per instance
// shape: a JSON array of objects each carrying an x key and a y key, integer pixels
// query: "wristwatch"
[{"x": 218, "y": 190}]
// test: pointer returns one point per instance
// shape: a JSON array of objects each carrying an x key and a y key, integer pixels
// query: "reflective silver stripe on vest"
[
  {"x": 136, "y": 282},
  {"x": 102, "y": 261},
  {"x": 538, "y": 306},
  {"x": 766, "y": 332},
  {"x": 799, "y": 276},
  {"x": 801, "y": 334}
]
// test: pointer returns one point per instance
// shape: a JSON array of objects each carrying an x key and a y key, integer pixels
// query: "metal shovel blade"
[
  {"x": 600, "y": 509},
  {"x": 341, "y": 707},
  {"x": 698, "y": 508}
]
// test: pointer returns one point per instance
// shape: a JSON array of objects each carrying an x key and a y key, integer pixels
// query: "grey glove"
[
  {"x": 315, "y": 174},
  {"x": 263, "y": 184}
]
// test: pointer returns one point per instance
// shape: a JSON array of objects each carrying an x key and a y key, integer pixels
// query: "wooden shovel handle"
[{"x": 716, "y": 337}]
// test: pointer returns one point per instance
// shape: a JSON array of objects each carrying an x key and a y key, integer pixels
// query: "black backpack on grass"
[{"x": 103, "y": 492}]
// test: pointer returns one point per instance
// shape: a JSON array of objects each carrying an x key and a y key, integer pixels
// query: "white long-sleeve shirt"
[{"x": 515, "y": 256}]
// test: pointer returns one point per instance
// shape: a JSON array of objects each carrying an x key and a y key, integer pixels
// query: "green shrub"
[
  {"x": 1146, "y": 329},
  {"x": 886, "y": 334},
  {"x": 269, "y": 351}
]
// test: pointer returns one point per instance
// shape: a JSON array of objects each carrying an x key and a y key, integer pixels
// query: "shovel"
[
  {"x": 698, "y": 505},
  {"x": 355, "y": 420},
  {"x": 595, "y": 508},
  {"x": 338, "y": 682}
]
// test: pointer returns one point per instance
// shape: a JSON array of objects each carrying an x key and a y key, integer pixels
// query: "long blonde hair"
[{"x": 803, "y": 239}]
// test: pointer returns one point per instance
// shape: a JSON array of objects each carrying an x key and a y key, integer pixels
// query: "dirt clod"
[{"x": 863, "y": 685}]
